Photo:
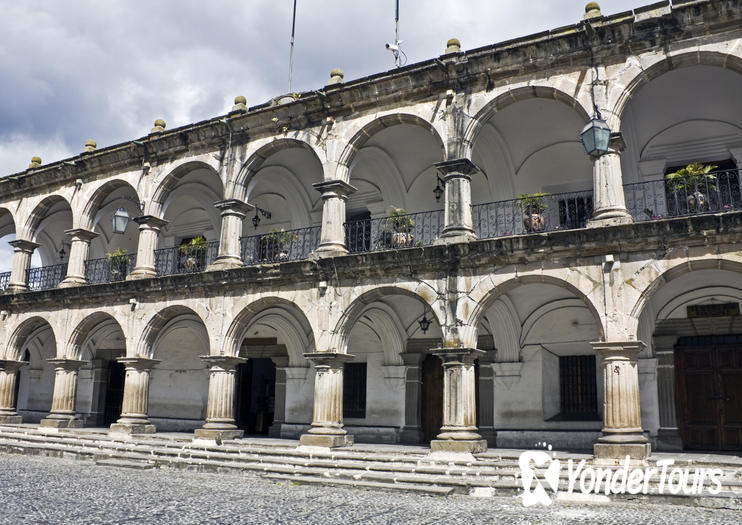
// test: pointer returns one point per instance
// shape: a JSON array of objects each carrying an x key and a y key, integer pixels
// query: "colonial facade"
[{"x": 245, "y": 274}]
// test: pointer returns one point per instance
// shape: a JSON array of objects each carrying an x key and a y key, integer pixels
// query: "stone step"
[
  {"x": 393, "y": 487},
  {"x": 120, "y": 463}
]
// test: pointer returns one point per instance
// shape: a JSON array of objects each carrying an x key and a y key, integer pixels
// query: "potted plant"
[
  {"x": 193, "y": 253},
  {"x": 278, "y": 243},
  {"x": 533, "y": 206},
  {"x": 401, "y": 224},
  {"x": 694, "y": 182},
  {"x": 117, "y": 262}
]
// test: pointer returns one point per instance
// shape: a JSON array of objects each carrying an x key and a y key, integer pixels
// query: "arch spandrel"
[
  {"x": 26, "y": 327},
  {"x": 151, "y": 327},
  {"x": 166, "y": 178},
  {"x": 92, "y": 199},
  {"x": 75, "y": 341},
  {"x": 38, "y": 208}
]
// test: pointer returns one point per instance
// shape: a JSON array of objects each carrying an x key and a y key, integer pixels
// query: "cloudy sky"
[{"x": 106, "y": 70}]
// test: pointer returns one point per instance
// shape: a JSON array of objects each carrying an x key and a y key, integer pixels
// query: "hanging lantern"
[
  {"x": 120, "y": 220},
  {"x": 438, "y": 191},
  {"x": 595, "y": 137},
  {"x": 424, "y": 323},
  {"x": 256, "y": 219},
  {"x": 62, "y": 253}
]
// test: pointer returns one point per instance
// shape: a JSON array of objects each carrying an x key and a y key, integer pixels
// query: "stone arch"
[
  {"x": 84, "y": 329},
  {"x": 4, "y": 223},
  {"x": 506, "y": 330},
  {"x": 157, "y": 324},
  {"x": 40, "y": 211},
  {"x": 22, "y": 332},
  {"x": 88, "y": 215},
  {"x": 282, "y": 315},
  {"x": 389, "y": 330},
  {"x": 171, "y": 180},
  {"x": 363, "y": 135},
  {"x": 511, "y": 97}
]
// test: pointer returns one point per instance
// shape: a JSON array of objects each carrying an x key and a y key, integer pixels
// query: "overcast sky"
[{"x": 106, "y": 70}]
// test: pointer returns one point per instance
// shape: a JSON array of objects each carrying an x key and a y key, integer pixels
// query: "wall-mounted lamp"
[
  {"x": 256, "y": 219},
  {"x": 439, "y": 189},
  {"x": 120, "y": 219},
  {"x": 424, "y": 323},
  {"x": 133, "y": 302},
  {"x": 62, "y": 251},
  {"x": 4, "y": 315},
  {"x": 322, "y": 287}
]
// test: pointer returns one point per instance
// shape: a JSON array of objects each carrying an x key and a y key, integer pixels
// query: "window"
[
  {"x": 354, "y": 390},
  {"x": 578, "y": 399}
]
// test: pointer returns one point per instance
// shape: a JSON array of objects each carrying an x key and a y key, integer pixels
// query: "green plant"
[
  {"x": 281, "y": 237},
  {"x": 117, "y": 254},
  {"x": 196, "y": 244},
  {"x": 533, "y": 202},
  {"x": 694, "y": 177},
  {"x": 399, "y": 219}
]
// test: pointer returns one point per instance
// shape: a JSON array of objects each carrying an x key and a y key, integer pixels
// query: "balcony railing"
[
  {"x": 4, "y": 281},
  {"x": 109, "y": 269},
  {"x": 185, "y": 258},
  {"x": 558, "y": 211},
  {"x": 390, "y": 233},
  {"x": 286, "y": 245},
  {"x": 658, "y": 199},
  {"x": 46, "y": 277}
]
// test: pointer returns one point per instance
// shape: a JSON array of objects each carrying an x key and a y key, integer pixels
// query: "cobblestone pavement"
[{"x": 49, "y": 490}]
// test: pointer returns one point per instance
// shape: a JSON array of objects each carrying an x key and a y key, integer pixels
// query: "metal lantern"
[
  {"x": 120, "y": 220},
  {"x": 438, "y": 191},
  {"x": 595, "y": 137},
  {"x": 256, "y": 219},
  {"x": 424, "y": 323}
]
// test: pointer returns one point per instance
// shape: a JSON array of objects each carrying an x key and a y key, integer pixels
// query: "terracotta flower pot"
[{"x": 535, "y": 222}]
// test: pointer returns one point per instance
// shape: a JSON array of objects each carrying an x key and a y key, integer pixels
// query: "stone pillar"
[
  {"x": 622, "y": 419},
  {"x": 136, "y": 397},
  {"x": 668, "y": 435},
  {"x": 8, "y": 381},
  {"x": 22, "y": 252},
  {"x": 609, "y": 203},
  {"x": 149, "y": 229},
  {"x": 411, "y": 433},
  {"x": 457, "y": 212},
  {"x": 220, "y": 423},
  {"x": 459, "y": 430},
  {"x": 63, "y": 414},
  {"x": 79, "y": 248},
  {"x": 327, "y": 424},
  {"x": 233, "y": 213},
  {"x": 334, "y": 196}
]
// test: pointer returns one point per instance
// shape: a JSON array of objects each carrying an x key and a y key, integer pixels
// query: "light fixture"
[
  {"x": 439, "y": 189},
  {"x": 596, "y": 135},
  {"x": 256, "y": 219},
  {"x": 62, "y": 252},
  {"x": 121, "y": 218},
  {"x": 424, "y": 323}
]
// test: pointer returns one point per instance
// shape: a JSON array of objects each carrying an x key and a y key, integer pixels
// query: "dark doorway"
[
  {"x": 114, "y": 392},
  {"x": 709, "y": 392},
  {"x": 256, "y": 388},
  {"x": 432, "y": 397}
]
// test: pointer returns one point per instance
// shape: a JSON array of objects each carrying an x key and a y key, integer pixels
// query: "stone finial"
[
  {"x": 592, "y": 10},
  {"x": 240, "y": 103},
  {"x": 35, "y": 162},
  {"x": 159, "y": 126},
  {"x": 90, "y": 145},
  {"x": 453, "y": 46},
  {"x": 336, "y": 77}
]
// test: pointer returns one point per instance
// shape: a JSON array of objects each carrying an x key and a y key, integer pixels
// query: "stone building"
[{"x": 246, "y": 274}]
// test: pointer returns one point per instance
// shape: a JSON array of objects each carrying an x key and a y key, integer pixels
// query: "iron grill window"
[
  {"x": 578, "y": 388},
  {"x": 354, "y": 390}
]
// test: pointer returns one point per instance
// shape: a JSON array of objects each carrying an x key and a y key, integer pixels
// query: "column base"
[
  {"x": 218, "y": 435},
  {"x": 610, "y": 219},
  {"x": 618, "y": 451},
  {"x": 11, "y": 420},
  {"x": 129, "y": 429},
  {"x": 61, "y": 423},
  {"x": 141, "y": 274},
  {"x": 225, "y": 263},
  {"x": 326, "y": 440},
  {"x": 16, "y": 288},
  {"x": 459, "y": 446},
  {"x": 669, "y": 439},
  {"x": 71, "y": 282},
  {"x": 455, "y": 236},
  {"x": 330, "y": 250}
]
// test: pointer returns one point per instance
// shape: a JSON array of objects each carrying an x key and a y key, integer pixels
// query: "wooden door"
[
  {"x": 709, "y": 395},
  {"x": 432, "y": 397}
]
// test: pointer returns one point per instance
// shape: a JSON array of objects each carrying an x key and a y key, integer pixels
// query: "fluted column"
[
  {"x": 459, "y": 430},
  {"x": 609, "y": 202},
  {"x": 457, "y": 211},
  {"x": 22, "y": 252},
  {"x": 8, "y": 381},
  {"x": 327, "y": 424},
  {"x": 622, "y": 419},
  {"x": 134, "y": 419},
  {"x": 233, "y": 213},
  {"x": 149, "y": 230},
  {"x": 63, "y": 414},
  {"x": 220, "y": 423},
  {"x": 334, "y": 196},
  {"x": 79, "y": 248}
]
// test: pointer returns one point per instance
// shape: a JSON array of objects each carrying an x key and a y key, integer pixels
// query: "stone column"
[
  {"x": 63, "y": 414},
  {"x": 233, "y": 213},
  {"x": 459, "y": 430},
  {"x": 622, "y": 419},
  {"x": 220, "y": 423},
  {"x": 327, "y": 424},
  {"x": 8, "y": 381},
  {"x": 609, "y": 203},
  {"x": 79, "y": 248},
  {"x": 136, "y": 397},
  {"x": 668, "y": 435},
  {"x": 334, "y": 196},
  {"x": 457, "y": 212},
  {"x": 149, "y": 229},
  {"x": 22, "y": 252}
]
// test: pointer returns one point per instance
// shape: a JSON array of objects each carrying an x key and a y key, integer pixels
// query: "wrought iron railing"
[
  {"x": 46, "y": 277},
  {"x": 280, "y": 246},
  {"x": 4, "y": 281},
  {"x": 109, "y": 269},
  {"x": 657, "y": 199},
  {"x": 392, "y": 233},
  {"x": 185, "y": 258},
  {"x": 534, "y": 214}
]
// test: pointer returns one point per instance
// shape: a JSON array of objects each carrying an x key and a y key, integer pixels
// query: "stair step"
[
  {"x": 120, "y": 463},
  {"x": 393, "y": 487}
]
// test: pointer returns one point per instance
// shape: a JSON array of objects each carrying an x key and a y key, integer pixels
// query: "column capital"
[
  {"x": 456, "y": 354},
  {"x": 22, "y": 245},
  {"x": 329, "y": 359},
  {"x": 618, "y": 349},
  {"x": 138, "y": 363},
  {"x": 224, "y": 362},
  {"x": 11, "y": 366},
  {"x": 81, "y": 234},
  {"x": 234, "y": 207},
  {"x": 69, "y": 365},
  {"x": 150, "y": 221},
  {"x": 457, "y": 167},
  {"x": 334, "y": 188}
]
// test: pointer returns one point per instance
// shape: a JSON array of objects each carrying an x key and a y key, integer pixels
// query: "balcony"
[
  {"x": 109, "y": 269},
  {"x": 390, "y": 233},
  {"x": 186, "y": 258},
  {"x": 4, "y": 281},
  {"x": 279, "y": 246},
  {"x": 46, "y": 277}
]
